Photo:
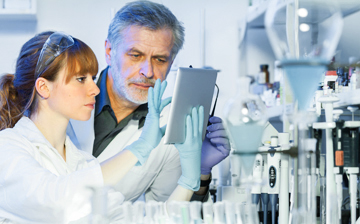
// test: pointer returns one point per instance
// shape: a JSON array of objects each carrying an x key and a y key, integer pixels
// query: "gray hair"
[{"x": 147, "y": 14}]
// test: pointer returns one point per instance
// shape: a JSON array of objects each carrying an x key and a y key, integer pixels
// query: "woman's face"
[{"x": 75, "y": 99}]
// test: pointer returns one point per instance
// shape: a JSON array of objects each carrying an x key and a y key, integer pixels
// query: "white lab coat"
[
  {"x": 37, "y": 185},
  {"x": 157, "y": 177}
]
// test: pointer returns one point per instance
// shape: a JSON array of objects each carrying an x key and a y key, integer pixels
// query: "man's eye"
[
  {"x": 135, "y": 55},
  {"x": 161, "y": 60}
]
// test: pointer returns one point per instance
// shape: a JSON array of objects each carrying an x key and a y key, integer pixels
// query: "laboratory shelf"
[
  {"x": 28, "y": 14},
  {"x": 256, "y": 14},
  {"x": 351, "y": 97}
]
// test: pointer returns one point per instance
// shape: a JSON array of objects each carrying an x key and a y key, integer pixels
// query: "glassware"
[
  {"x": 304, "y": 35},
  {"x": 244, "y": 120}
]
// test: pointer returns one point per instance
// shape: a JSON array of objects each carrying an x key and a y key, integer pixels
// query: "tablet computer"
[{"x": 193, "y": 87}]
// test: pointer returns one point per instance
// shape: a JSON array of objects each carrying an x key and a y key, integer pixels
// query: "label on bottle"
[{"x": 262, "y": 78}]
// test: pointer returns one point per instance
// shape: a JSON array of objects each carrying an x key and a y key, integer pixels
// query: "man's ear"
[
  {"x": 107, "y": 52},
  {"x": 42, "y": 87}
]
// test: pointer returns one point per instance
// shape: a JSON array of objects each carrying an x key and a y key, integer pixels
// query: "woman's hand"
[{"x": 151, "y": 134}]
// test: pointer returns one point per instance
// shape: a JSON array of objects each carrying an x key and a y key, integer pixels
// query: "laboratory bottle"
[
  {"x": 339, "y": 80},
  {"x": 263, "y": 77}
]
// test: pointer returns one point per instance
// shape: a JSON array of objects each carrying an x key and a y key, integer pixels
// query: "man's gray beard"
[{"x": 125, "y": 92}]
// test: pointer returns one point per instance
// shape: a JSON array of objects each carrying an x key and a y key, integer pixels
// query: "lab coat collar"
[{"x": 28, "y": 130}]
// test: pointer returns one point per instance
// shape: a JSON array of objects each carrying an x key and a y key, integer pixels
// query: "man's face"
[{"x": 142, "y": 57}]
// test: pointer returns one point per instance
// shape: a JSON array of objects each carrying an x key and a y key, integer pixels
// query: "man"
[{"x": 143, "y": 40}]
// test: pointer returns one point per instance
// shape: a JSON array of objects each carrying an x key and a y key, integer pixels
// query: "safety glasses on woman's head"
[{"x": 56, "y": 44}]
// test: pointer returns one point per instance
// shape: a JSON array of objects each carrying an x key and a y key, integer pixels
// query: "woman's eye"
[{"x": 81, "y": 79}]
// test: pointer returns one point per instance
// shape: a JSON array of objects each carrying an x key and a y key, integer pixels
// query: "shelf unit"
[
  {"x": 28, "y": 14},
  {"x": 255, "y": 35},
  {"x": 256, "y": 14}
]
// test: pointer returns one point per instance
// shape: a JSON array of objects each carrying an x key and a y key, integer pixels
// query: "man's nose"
[{"x": 147, "y": 69}]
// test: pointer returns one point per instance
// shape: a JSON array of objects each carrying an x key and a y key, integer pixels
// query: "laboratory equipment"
[
  {"x": 99, "y": 205},
  {"x": 219, "y": 212},
  {"x": 274, "y": 175},
  {"x": 338, "y": 158},
  {"x": 207, "y": 213},
  {"x": 195, "y": 212},
  {"x": 304, "y": 35},
  {"x": 244, "y": 120},
  {"x": 257, "y": 177},
  {"x": 230, "y": 212},
  {"x": 284, "y": 142},
  {"x": 350, "y": 144}
]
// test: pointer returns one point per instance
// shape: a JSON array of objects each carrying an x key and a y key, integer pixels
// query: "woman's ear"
[{"x": 42, "y": 87}]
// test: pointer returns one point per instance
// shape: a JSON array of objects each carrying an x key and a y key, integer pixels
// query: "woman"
[{"x": 42, "y": 173}]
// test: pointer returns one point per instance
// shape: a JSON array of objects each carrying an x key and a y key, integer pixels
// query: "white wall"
[{"x": 88, "y": 20}]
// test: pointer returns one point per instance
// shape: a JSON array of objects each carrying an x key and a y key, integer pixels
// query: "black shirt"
[{"x": 105, "y": 124}]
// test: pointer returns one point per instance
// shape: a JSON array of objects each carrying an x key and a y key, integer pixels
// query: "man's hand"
[{"x": 215, "y": 147}]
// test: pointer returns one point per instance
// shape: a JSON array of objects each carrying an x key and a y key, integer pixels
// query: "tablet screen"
[{"x": 193, "y": 87}]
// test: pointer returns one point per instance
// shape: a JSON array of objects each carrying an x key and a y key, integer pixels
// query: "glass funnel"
[
  {"x": 304, "y": 35},
  {"x": 244, "y": 119}
]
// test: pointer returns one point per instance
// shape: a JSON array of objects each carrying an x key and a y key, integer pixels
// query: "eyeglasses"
[{"x": 56, "y": 44}]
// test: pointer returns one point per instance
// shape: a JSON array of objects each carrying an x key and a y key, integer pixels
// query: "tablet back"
[{"x": 193, "y": 87}]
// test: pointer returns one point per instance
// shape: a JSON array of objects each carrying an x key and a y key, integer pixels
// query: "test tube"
[
  {"x": 128, "y": 213},
  {"x": 229, "y": 212},
  {"x": 138, "y": 210},
  {"x": 219, "y": 213},
  {"x": 150, "y": 209},
  {"x": 99, "y": 203},
  {"x": 195, "y": 212},
  {"x": 208, "y": 213}
]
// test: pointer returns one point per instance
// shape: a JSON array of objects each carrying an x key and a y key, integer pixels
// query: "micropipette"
[
  {"x": 264, "y": 189},
  {"x": 273, "y": 159},
  {"x": 327, "y": 103},
  {"x": 351, "y": 162},
  {"x": 338, "y": 158},
  {"x": 257, "y": 177},
  {"x": 284, "y": 141}
]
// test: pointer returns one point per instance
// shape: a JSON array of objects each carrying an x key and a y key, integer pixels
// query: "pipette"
[
  {"x": 284, "y": 139},
  {"x": 327, "y": 103},
  {"x": 339, "y": 158},
  {"x": 264, "y": 189},
  {"x": 257, "y": 177},
  {"x": 350, "y": 144},
  {"x": 273, "y": 159}
]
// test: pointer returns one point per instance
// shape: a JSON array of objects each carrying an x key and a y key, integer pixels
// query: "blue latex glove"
[
  {"x": 151, "y": 134},
  {"x": 190, "y": 150},
  {"x": 216, "y": 145}
]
